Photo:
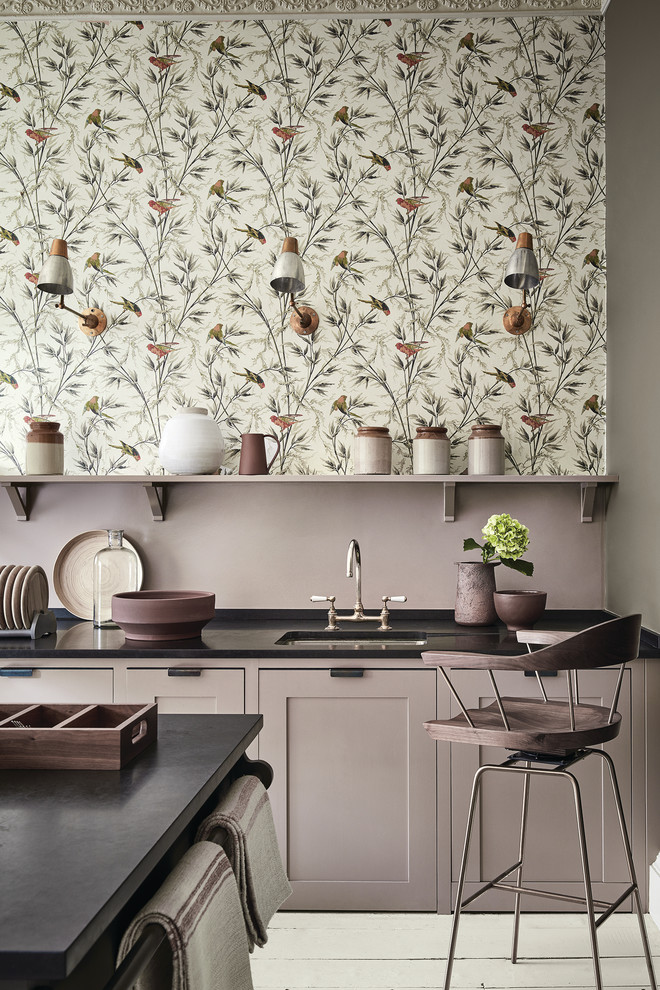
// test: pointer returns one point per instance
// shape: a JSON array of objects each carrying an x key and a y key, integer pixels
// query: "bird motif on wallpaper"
[
  {"x": 32, "y": 277},
  {"x": 252, "y": 376},
  {"x": 129, "y": 306},
  {"x": 9, "y": 93},
  {"x": 284, "y": 420},
  {"x": 502, "y": 376},
  {"x": 341, "y": 260},
  {"x": 593, "y": 113},
  {"x": 466, "y": 331},
  {"x": 593, "y": 258},
  {"x": 411, "y": 59},
  {"x": 377, "y": 159},
  {"x": 468, "y": 42},
  {"x": 342, "y": 117},
  {"x": 503, "y": 85},
  {"x": 502, "y": 231},
  {"x": 39, "y": 134},
  {"x": 162, "y": 206},
  {"x": 218, "y": 45},
  {"x": 253, "y": 89},
  {"x": 286, "y": 133},
  {"x": 126, "y": 449},
  {"x": 163, "y": 62},
  {"x": 162, "y": 350},
  {"x": 386, "y": 21},
  {"x": 341, "y": 405},
  {"x": 592, "y": 405},
  {"x": 94, "y": 406},
  {"x": 129, "y": 162},
  {"x": 377, "y": 304},
  {"x": 94, "y": 261},
  {"x": 410, "y": 203},
  {"x": 216, "y": 333},
  {"x": 536, "y": 130},
  {"x": 536, "y": 421},
  {"x": 138, "y": 24},
  {"x": 96, "y": 118},
  {"x": 9, "y": 235},
  {"x": 249, "y": 231},
  {"x": 218, "y": 189},
  {"x": 414, "y": 347},
  {"x": 467, "y": 187},
  {"x": 8, "y": 379}
]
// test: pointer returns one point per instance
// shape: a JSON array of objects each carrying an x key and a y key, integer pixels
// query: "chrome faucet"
[{"x": 354, "y": 563}]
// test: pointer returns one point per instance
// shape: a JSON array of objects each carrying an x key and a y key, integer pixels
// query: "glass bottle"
[{"x": 115, "y": 571}]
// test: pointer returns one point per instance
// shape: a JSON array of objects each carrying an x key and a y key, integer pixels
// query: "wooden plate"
[
  {"x": 4, "y": 574},
  {"x": 74, "y": 568},
  {"x": 16, "y": 590},
  {"x": 34, "y": 594},
  {"x": 6, "y": 597}
]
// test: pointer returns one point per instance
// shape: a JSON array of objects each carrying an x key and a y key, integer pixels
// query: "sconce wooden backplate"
[
  {"x": 99, "y": 328},
  {"x": 512, "y": 315},
  {"x": 298, "y": 327}
]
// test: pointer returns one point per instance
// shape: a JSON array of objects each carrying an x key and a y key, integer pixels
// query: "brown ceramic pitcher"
[{"x": 253, "y": 453}]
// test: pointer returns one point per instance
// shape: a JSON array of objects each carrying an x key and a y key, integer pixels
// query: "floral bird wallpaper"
[{"x": 406, "y": 155}]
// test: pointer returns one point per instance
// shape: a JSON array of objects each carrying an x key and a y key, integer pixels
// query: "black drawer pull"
[
  {"x": 346, "y": 672},
  {"x": 184, "y": 671},
  {"x": 16, "y": 671},
  {"x": 541, "y": 673}
]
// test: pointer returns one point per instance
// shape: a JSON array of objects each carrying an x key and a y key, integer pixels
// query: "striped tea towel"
[
  {"x": 200, "y": 911},
  {"x": 245, "y": 813}
]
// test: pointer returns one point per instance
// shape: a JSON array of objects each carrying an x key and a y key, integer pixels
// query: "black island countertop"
[{"x": 253, "y": 635}]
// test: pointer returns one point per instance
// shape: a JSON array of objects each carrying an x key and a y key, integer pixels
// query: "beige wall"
[
  {"x": 633, "y": 228},
  {"x": 274, "y": 545}
]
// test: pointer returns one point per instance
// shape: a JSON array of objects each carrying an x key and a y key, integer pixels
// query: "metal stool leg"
[
  {"x": 631, "y": 866},
  {"x": 588, "y": 893},
  {"x": 476, "y": 788},
  {"x": 521, "y": 853}
]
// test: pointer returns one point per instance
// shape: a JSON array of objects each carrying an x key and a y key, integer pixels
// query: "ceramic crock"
[{"x": 191, "y": 443}]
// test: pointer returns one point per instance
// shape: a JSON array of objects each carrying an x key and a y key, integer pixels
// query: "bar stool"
[{"x": 547, "y": 738}]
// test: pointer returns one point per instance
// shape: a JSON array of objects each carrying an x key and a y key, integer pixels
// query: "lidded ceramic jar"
[
  {"x": 191, "y": 443},
  {"x": 45, "y": 448},
  {"x": 372, "y": 450},
  {"x": 486, "y": 449},
  {"x": 431, "y": 450}
]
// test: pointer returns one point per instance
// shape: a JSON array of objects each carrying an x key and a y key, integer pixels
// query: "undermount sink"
[{"x": 353, "y": 637}]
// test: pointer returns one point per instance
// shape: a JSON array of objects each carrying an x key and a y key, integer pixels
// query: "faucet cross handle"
[{"x": 385, "y": 612}]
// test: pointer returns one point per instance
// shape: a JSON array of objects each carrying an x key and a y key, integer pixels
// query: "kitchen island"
[{"x": 82, "y": 851}]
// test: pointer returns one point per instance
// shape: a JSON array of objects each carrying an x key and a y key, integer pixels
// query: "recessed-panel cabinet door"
[
  {"x": 354, "y": 789},
  {"x": 552, "y": 856},
  {"x": 55, "y": 685},
  {"x": 188, "y": 690}
]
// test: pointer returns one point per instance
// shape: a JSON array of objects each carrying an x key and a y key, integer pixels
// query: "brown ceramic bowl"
[
  {"x": 519, "y": 609},
  {"x": 162, "y": 615}
]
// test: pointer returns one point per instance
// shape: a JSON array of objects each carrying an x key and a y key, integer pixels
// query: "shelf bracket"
[
  {"x": 18, "y": 496},
  {"x": 156, "y": 496},
  {"x": 587, "y": 497},
  {"x": 449, "y": 500}
]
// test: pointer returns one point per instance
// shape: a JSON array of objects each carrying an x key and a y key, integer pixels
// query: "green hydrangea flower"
[{"x": 508, "y": 537}]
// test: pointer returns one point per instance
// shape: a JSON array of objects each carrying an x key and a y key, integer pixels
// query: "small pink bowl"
[{"x": 162, "y": 615}]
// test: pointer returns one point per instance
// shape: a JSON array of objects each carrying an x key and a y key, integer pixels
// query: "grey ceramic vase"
[{"x": 474, "y": 594}]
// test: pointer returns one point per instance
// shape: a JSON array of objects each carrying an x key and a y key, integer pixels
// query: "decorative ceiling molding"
[{"x": 102, "y": 9}]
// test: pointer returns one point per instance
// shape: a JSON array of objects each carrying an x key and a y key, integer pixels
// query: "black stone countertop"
[
  {"x": 253, "y": 635},
  {"x": 75, "y": 845}
]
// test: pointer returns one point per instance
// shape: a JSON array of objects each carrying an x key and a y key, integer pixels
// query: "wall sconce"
[
  {"x": 289, "y": 277},
  {"x": 522, "y": 272},
  {"x": 56, "y": 277}
]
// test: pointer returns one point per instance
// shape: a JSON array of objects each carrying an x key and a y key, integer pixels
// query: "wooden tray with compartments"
[{"x": 74, "y": 737}]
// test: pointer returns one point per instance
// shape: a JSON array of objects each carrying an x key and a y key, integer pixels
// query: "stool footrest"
[
  {"x": 491, "y": 883},
  {"x": 548, "y": 893}
]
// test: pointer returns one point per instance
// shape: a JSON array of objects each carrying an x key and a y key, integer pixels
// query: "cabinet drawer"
[
  {"x": 55, "y": 685},
  {"x": 188, "y": 690}
]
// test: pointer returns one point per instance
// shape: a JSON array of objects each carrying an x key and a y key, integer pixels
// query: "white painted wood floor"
[{"x": 352, "y": 951}]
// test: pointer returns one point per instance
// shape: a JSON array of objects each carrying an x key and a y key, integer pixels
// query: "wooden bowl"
[{"x": 163, "y": 615}]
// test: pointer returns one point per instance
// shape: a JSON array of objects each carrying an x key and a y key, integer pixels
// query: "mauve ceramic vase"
[
  {"x": 519, "y": 609},
  {"x": 474, "y": 594}
]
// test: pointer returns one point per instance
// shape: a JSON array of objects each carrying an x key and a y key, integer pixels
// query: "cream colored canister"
[
  {"x": 431, "y": 450},
  {"x": 45, "y": 448},
  {"x": 372, "y": 450},
  {"x": 486, "y": 449}
]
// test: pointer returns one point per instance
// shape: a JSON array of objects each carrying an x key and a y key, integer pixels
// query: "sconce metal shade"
[
  {"x": 522, "y": 272},
  {"x": 288, "y": 273},
  {"x": 56, "y": 276}
]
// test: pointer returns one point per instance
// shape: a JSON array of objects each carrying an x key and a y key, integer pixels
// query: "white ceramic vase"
[{"x": 191, "y": 443}]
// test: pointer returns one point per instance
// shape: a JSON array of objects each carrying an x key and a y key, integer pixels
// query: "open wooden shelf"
[{"x": 18, "y": 487}]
